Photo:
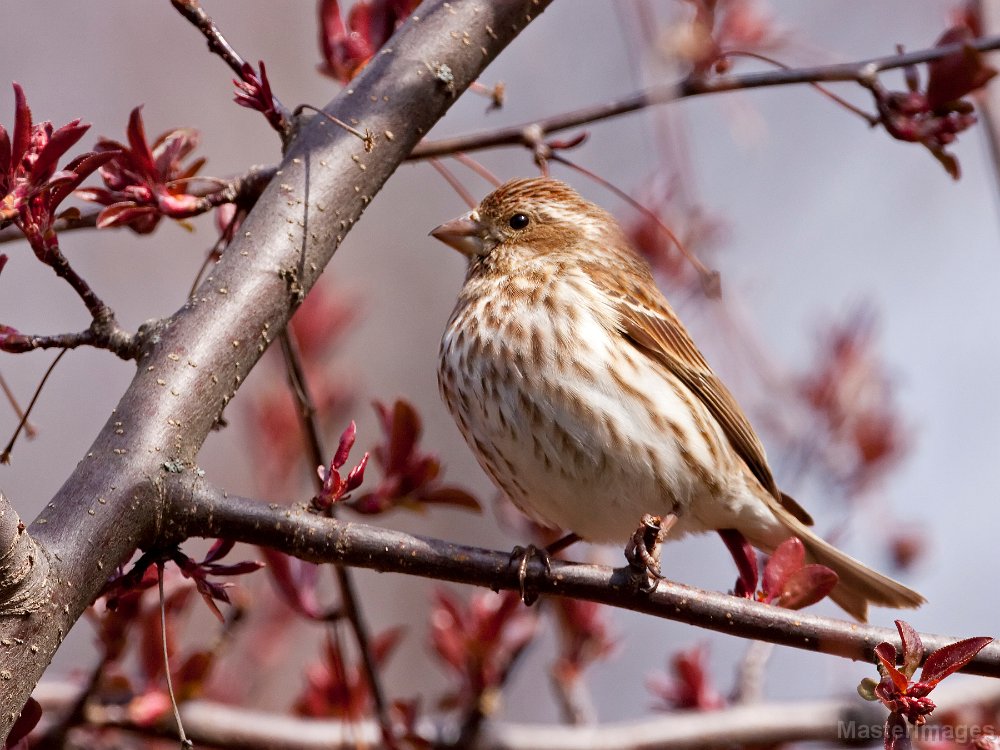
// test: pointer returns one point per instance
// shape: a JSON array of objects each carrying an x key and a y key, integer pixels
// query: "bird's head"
[{"x": 535, "y": 215}]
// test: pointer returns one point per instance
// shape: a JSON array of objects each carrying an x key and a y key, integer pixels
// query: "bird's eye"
[{"x": 518, "y": 221}]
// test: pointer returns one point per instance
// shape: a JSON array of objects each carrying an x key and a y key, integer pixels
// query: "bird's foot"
[
  {"x": 643, "y": 550},
  {"x": 522, "y": 556}
]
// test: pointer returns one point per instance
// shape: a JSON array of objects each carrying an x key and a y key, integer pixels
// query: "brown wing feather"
[{"x": 656, "y": 331}]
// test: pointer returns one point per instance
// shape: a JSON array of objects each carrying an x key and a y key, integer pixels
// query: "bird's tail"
[{"x": 859, "y": 585}]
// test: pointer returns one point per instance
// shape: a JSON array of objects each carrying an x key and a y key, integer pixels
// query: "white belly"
[{"x": 570, "y": 444}]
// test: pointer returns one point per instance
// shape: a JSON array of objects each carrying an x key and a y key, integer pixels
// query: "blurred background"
[{"x": 827, "y": 234}]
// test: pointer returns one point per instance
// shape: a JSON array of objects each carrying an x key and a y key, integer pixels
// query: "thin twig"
[
  {"x": 478, "y": 168},
  {"x": 858, "y": 72},
  {"x": 185, "y": 742},
  {"x": 871, "y": 119},
  {"x": 348, "y": 591},
  {"x": 5, "y": 454},
  {"x": 29, "y": 428},
  {"x": 454, "y": 183},
  {"x": 217, "y": 43},
  {"x": 242, "y": 190},
  {"x": 368, "y": 138}
]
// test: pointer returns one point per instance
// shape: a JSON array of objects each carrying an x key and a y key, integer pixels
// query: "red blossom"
[
  {"x": 143, "y": 575},
  {"x": 335, "y": 487},
  {"x": 200, "y": 572},
  {"x": 479, "y": 642},
  {"x": 144, "y": 183},
  {"x": 346, "y": 48},
  {"x": 934, "y": 117},
  {"x": 335, "y": 688},
  {"x": 723, "y": 26},
  {"x": 905, "y": 697},
  {"x": 253, "y": 91},
  {"x": 410, "y": 477},
  {"x": 745, "y": 557},
  {"x": 688, "y": 685},
  {"x": 26, "y": 721},
  {"x": 584, "y": 637},
  {"x": 30, "y": 183},
  {"x": 787, "y": 580},
  {"x": 297, "y": 584},
  {"x": 850, "y": 393}
]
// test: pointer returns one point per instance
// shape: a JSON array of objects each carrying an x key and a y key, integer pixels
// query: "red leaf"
[
  {"x": 80, "y": 168},
  {"x": 29, "y": 717},
  {"x": 951, "y": 658},
  {"x": 346, "y": 443},
  {"x": 298, "y": 591},
  {"x": 220, "y": 549},
  {"x": 127, "y": 213},
  {"x": 454, "y": 496},
  {"x": 745, "y": 559},
  {"x": 405, "y": 430},
  {"x": 913, "y": 647},
  {"x": 141, "y": 154},
  {"x": 895, "y": 737},
  {"x": 356, "y": 475},
  {"x": 58, "y": 144},
  {"x": 886, "y": 654},
  {"x": 22, "y": 127},
  {"x": 788, "y": 557},
  {"x": 806, "y": 586},
  {"x": 954, "y": 76}
]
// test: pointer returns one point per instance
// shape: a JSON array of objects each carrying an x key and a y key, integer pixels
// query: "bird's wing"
[{"x": 655, "y": 330}]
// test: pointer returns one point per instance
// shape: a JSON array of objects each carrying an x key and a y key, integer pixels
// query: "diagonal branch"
[
  {"x": 195, "y": 360},
  {"x": 530, "y": 134},
  {"x": 201, "y": 510}
]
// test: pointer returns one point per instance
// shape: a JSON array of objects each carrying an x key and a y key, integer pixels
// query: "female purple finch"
[{"x": 585, "y": 399}]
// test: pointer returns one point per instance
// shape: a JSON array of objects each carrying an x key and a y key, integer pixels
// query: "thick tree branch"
[
  {"x": 197, "y": 509},
  {"x": 23, "y": 567},
  {"x": 530, "y": 134},
  {"x": 193, "y": 362},
  {"x": 762, "y": 725}
]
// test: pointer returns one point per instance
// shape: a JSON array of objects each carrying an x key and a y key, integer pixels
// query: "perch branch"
[{"x": 201, "y": 510}]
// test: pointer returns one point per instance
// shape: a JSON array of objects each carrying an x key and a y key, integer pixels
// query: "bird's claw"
[
  {"x": 523, "y": 557},
  {"x": 643, "y": 551}
]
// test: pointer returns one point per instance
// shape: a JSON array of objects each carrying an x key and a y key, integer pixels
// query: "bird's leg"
[
  {"x": 643, "y": 550},
  {"x": 523, "y": 556}
]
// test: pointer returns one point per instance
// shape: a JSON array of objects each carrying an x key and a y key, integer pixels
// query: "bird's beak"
[{"x": 467, "y": 234}]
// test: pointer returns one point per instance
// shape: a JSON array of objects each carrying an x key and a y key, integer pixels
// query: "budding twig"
[
  {"x": 368, "y": 137},
  {"x": 5, "y": 454},
  {"x": 860, "y": 72},
  {"x": 299, "y": 386}
]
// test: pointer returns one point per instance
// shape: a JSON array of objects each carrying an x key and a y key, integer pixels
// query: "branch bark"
[
  {"x": 763, "y": 724},
  {"x": 191, "y": 364},
  {"x": 196, "y": 509},
  {"x": 530, "y": 134}
]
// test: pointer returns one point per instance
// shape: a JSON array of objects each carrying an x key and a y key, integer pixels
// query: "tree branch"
[
  {"x": 530, "y": 134},
  {"x": 195, "y": 360},
  {"x": 760, "y": 725},
  {"x": 197, "y": 509},
  {"x": 23, "y": 567}
]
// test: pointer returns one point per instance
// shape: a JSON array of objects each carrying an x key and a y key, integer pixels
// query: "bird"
[{"x": 586, "y": 401}]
